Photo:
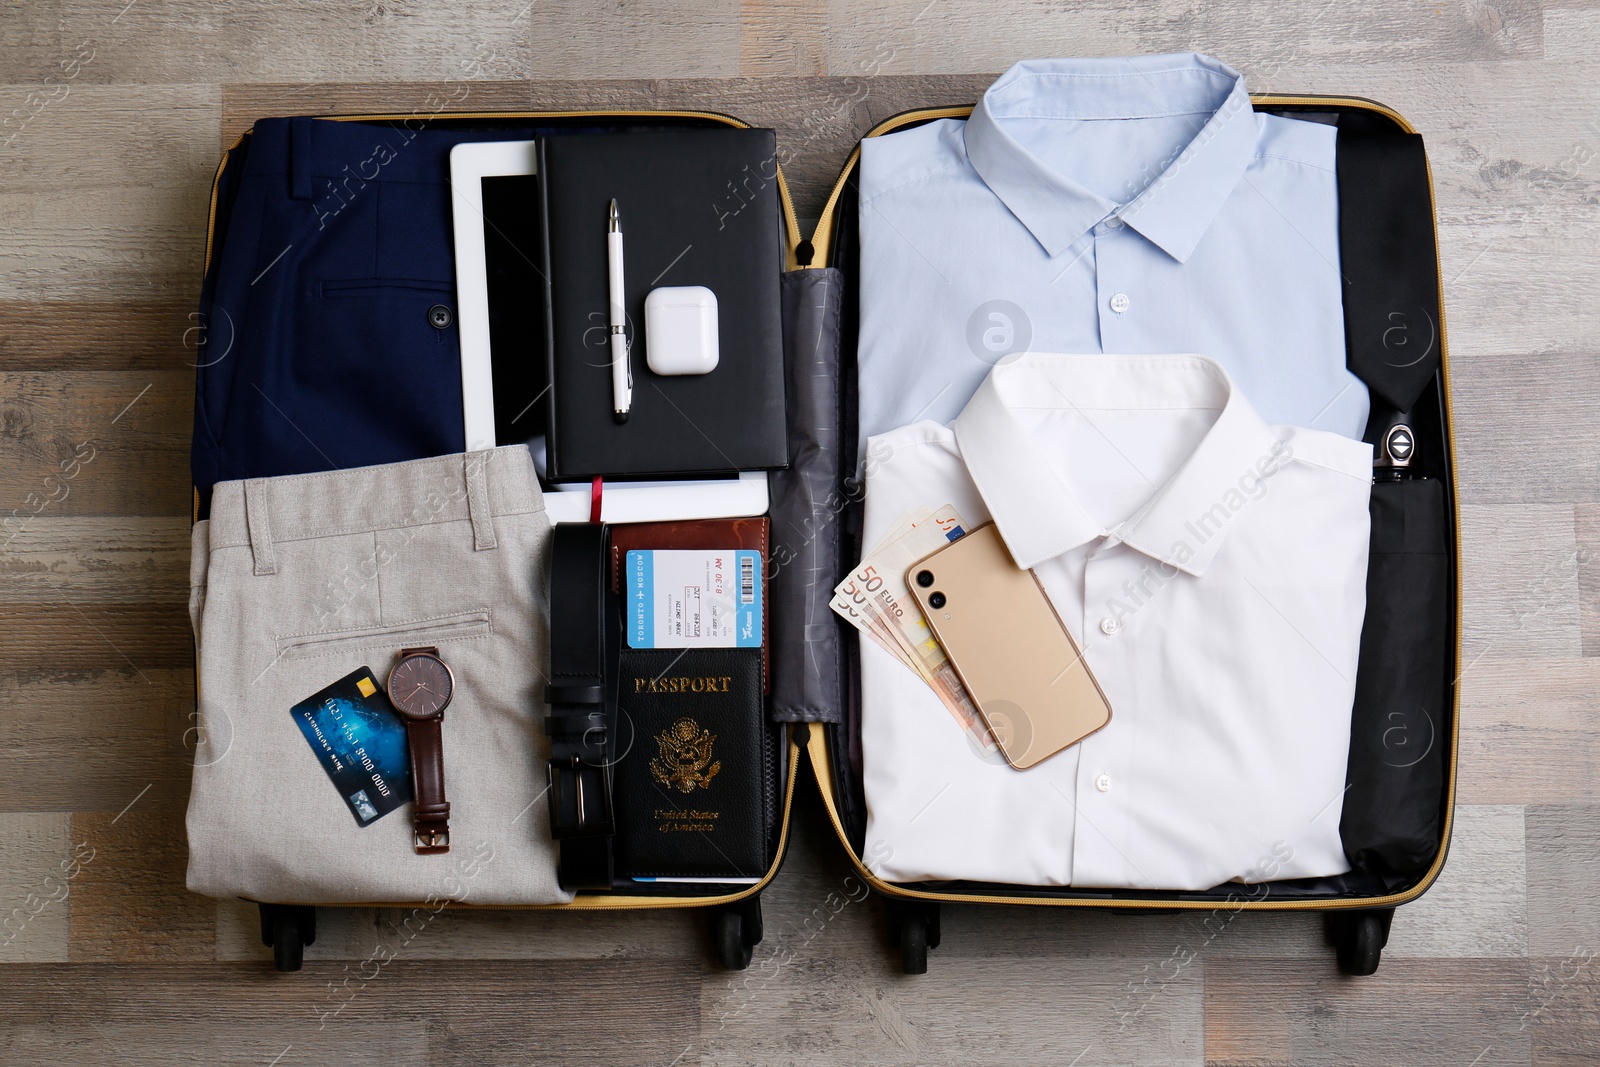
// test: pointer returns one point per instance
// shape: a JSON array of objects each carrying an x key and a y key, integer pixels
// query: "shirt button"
[
  {"x": 1119, "y": 303},
  {"x": 1103, "y": 783},
  {"x": 1113, "y": 223},
  {"x": 1109, "y": 625}
]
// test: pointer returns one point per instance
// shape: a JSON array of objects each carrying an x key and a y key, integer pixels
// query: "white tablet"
[
  {"x": 498, "y": 247},
  {"x": 469, "y": 165}
]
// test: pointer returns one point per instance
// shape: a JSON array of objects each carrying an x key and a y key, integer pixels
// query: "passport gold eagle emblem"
[{"x": 685, "y": 760}]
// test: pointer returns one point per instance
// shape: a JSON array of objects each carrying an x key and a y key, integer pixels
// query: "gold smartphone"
[{"x": 1008, "y": 646}]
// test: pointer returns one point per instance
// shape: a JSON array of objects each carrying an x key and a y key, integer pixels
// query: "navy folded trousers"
[{"x": 329, "y": 333}]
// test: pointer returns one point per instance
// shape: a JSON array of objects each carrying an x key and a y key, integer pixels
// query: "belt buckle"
[{"x": 586, "y": 823}]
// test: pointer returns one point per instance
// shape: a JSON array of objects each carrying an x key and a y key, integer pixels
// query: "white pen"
[{"x": 621, "y": 371}]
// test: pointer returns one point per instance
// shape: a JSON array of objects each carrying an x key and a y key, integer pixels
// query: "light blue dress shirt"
[{"x": 1129, "y": 205}]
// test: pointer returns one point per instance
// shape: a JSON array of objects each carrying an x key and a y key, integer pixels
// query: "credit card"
[
  {"x": 688, "y": 598},
  {"x": 360, "y": 740}
]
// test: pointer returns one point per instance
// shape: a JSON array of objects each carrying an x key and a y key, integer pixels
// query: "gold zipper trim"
[
  {"x": 211, "y": 236},
  {"x": 790, "y": 220},
  {"x": 621, "y": 901},
  {"x": 817, "y": 748}
]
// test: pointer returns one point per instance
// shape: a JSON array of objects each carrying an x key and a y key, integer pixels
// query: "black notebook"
[
  {"x": 697, "y": 207},
  {"x": 690, "y": 791}
]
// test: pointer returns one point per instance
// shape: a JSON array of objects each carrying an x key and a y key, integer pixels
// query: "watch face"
[{"x": 420, "y": 686}]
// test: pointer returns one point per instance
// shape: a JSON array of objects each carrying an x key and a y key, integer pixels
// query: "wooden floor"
[{"x": 121, "y": 110}]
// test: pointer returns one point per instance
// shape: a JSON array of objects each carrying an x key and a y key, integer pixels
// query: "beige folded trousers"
[{"x": 296, "y": 582}]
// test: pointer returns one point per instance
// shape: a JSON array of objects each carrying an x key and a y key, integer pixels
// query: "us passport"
[
  {"x": 691, "y": 790},
  {"x": 360, "y": 741}
]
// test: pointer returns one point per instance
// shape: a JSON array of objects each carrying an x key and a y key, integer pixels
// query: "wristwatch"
[{"x": 420, "y": 686}]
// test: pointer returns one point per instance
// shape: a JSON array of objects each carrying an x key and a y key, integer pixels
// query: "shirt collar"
[
  {"x": 1040, "y": 514},
  {"x": 1177, "y": 207}
]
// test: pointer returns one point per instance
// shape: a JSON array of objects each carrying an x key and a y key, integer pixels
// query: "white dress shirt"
[
  {"x": 1104, "y": 205},
  {"x": 1212, "y": 568}
]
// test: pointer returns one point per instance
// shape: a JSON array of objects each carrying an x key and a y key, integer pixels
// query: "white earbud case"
[{"x": 680, "y": 329}]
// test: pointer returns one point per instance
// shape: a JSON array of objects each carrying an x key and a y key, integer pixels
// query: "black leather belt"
[{"x": 585, "y": 632}]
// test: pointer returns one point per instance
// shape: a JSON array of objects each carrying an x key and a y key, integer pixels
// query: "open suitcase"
[
  {"x": 288, "y": 925},
  {"x": 816, "y": 512},
  {"x": 1358, "y": 906}
]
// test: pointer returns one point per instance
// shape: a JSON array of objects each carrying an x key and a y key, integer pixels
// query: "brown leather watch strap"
[{"x": 430, "y": 810}]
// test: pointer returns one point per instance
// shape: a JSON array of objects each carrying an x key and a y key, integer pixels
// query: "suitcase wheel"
[
  {"x": 287, "y": 929},
  {"x": 913, "y": 944},
  {"x": 913, "y": 929},
  {"x": 735, "y": 930},
  {"x": 1358, "y": 938}
]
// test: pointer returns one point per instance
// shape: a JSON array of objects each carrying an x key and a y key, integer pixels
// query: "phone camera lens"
[
  {"x": 924, "y": 578},
  {"x": 936, "y": 600}
]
